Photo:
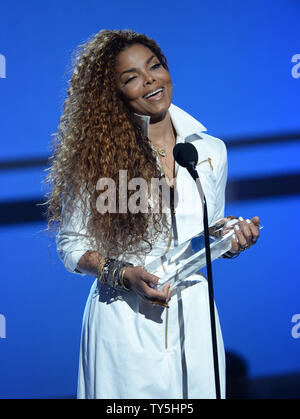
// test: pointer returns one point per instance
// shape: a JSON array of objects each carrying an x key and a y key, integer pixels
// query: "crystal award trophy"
[{"x": 187, "y": 258}]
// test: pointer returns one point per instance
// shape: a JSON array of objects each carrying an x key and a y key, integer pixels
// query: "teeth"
[{"x": 153, "y": 93}]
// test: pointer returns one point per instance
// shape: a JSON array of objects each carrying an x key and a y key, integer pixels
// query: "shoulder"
[
  {"x": 194, "y": 131},
  {"x": 213, "y": 144},
  {"x": 212, "y": 141}
]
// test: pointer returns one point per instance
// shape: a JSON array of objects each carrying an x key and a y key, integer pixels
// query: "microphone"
[{"x": 186, "y": 155}]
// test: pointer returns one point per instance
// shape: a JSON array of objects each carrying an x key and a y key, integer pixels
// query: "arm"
[
  {"x": 221, "y": 180},
  {"x": 72, "y": 243},
  {"x": 246, "y": 232},
  {"x": 74, "y": 250},
  {"x": 89, "y": 262}
]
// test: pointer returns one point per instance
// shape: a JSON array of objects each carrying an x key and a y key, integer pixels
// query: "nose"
[{"x": 148, "y": 79}]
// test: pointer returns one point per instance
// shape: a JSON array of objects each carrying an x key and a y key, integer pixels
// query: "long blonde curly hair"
[{"x": 96, "y": 137}]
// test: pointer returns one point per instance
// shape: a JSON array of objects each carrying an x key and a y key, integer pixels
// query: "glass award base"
[{"x": 187, "y": 259}]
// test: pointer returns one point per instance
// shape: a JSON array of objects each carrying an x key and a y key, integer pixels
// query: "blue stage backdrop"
[{"x": 235, "y": 67}]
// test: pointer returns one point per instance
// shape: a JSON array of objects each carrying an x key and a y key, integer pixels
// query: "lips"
[{"x": 156, "y": 93}]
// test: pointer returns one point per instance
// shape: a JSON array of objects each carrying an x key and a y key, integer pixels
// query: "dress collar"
[{"x": 184, "y": 124}]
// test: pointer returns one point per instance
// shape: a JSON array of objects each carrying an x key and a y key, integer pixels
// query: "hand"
[
  {"x": 246, "y": 234},
  {"x": 139, "y": 281}
]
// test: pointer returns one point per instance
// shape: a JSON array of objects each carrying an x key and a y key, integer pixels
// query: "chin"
[
  {"x": 160, "y": 107},
  {"x": 154, "y": 111},
  {"x": 160, "y": 110}
]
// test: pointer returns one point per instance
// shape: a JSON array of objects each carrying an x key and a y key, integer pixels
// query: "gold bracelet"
[
  {"x": 100, "y": 267},
  {"x": 122, "y": 279},
  {"x": 113, "y": 275}
]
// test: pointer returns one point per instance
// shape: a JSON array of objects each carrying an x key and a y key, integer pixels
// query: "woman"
[{"x": 119, "y": 118}]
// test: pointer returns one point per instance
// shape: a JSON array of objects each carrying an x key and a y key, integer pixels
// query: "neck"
[{"x": 161, "y": 132}]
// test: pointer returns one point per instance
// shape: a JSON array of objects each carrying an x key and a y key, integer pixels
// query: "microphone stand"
[{"x": 193, "y": 172}]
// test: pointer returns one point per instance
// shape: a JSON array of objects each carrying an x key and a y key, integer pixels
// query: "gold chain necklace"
[{"x": 161, "y": 151}]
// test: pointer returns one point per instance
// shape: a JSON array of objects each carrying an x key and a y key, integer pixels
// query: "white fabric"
[{"x": 131, "y": 349}]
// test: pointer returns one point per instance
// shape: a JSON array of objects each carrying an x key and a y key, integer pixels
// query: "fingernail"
[
  {"x": 241, "y": 218},
  {"x": 248, "y": 221},
  {"x": 235, "y": 238},
  {"x": 237, "y": 227}
]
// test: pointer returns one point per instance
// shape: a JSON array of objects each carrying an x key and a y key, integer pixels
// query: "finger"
[
  {"x": 246, "y": 231},
  {"x": 234, "y": 244},
  {"x": 147, "y": 277},
  {"x": 254, "y": 230},
  {"x": 144, "y": 293},
  {"x": 217, "y": 233},
  {"x": 166, "y": 291},
  {"x": 216, "y": 230},
  {"x": 240, "y": 236},
  {"x": 230, "y": 217},
  {"x": 157, "y": 294},
  {"x": 255, "y": 220},
  {"x": 154, "y": 301},
  {"x": 220, "y": 223}
]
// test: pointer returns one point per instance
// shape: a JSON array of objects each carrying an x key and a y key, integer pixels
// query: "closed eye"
[
  {"x": 127, "y": 81},
  {"x": 156, "y": 65}
]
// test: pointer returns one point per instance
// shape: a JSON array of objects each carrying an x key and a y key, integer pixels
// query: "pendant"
[{"x": 162, "y": 152}]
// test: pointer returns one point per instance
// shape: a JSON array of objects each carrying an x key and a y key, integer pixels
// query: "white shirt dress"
[{"x": 131, "y": 349}]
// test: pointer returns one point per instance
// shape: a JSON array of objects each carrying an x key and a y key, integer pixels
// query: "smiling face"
[{"x": 144, "y": 83}]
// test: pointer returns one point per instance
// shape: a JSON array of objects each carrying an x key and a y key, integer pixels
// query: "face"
[{"x": 144, "y": 83}]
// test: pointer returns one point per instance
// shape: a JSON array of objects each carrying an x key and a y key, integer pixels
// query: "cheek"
[
  {"x": 168, "y": 82},
  {"x": 169, "y": 89},
  {"x": 132, "y": 92}
]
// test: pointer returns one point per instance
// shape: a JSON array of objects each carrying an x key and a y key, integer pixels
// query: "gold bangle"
[
  {"x": 100, "y": 267},
  {"x": 113, "y": 276},
  {"x": 122, "y": 279}
]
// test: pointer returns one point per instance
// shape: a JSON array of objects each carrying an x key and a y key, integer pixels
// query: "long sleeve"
[
  {"x": 72, "y": 240},
  {"x": 221, "y": 176}
]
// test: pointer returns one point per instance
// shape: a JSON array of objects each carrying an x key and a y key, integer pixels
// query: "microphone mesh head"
[{"x": 185, "y": 154}]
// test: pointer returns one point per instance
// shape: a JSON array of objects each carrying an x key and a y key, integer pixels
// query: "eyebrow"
[{"x": 131, "y": 70}]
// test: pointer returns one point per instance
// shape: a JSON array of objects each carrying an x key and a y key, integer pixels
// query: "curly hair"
[{"x": 96, "y": 137}]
